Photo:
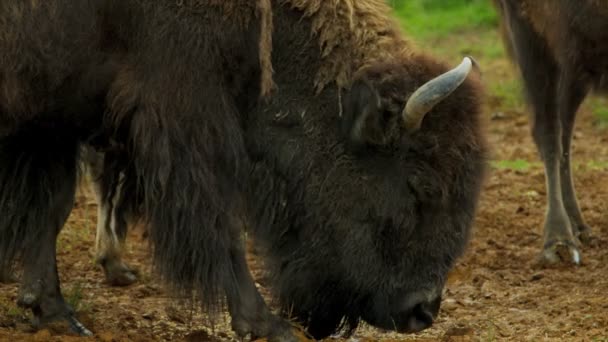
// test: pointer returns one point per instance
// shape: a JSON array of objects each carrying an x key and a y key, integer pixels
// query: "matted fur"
[{"x": 351, "y": 34}]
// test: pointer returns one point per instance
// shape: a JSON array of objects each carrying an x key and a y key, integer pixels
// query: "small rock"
[
  {"x": 497, "y": 116},
  {"x": 149, "y": 315},
  {"x": 537, "y": 277}
]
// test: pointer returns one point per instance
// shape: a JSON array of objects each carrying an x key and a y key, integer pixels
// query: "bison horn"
[{"x": 433, "y": 92}]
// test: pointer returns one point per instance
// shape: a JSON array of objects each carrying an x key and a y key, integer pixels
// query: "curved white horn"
[{"x": 432, "y": 92}]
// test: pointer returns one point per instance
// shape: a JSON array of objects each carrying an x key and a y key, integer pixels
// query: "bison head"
[{"x": 363, "y": 214}]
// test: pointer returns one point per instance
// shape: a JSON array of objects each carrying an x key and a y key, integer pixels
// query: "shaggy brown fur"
[
  {"x": 163, "y": 85},
  {"x": 351, "y": 34}
]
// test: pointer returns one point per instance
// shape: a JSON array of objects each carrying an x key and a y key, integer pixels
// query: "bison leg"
[
  {"x": 250, "y": 314},
  {"x": 37, "y": 188},
  {"x": 111, "y": 224},
  {"x": 40, "y": 290},
  {"x": 109, "y": 243},
  {"x": 570, "y": 95},
  {"x": 540, "y": 71}
]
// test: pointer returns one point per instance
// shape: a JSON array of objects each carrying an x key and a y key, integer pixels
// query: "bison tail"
[{"x": 38, "y": 172}]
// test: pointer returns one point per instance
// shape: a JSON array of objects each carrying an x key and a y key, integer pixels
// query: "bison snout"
[
  {"x": 408, "y": 313},
  {"x": 419, "y": 317}
]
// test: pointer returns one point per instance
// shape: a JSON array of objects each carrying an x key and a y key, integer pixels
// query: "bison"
[
  {"x": 561, "y": 48},
  {"x": 358, "y": 177}
]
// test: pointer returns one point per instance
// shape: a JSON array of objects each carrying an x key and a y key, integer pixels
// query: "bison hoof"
[
  {"x": 276, "y": 330},
  {"x": 48, "y": 309},
  {"x": 123, "y": 278},
  {"x": 119, "y": 274},
  {"x": 558, "y": 252}
]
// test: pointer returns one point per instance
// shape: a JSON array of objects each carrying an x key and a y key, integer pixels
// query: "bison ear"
[{"x": 365, "y": 121}]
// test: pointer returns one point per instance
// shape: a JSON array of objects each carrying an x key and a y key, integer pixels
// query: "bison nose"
[{"x": 419, "y": 316}]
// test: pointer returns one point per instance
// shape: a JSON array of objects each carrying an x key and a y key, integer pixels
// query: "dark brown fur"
[{"x": 162, "y": 85}]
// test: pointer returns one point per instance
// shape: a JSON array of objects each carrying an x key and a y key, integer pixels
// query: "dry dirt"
[{"x": 496, "y": 291}]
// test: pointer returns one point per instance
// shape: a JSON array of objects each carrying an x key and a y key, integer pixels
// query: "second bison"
[{"x": 561, "y": 48}]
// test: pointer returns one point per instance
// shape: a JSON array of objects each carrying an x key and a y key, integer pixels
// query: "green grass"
[
  {"x": 599, "y": 108},
  {"x": 432, "y": 18},
  {"x": 74, "y": 297},
  {"x": 524, "y": 165},
  {"x": 510, "y": 93}
]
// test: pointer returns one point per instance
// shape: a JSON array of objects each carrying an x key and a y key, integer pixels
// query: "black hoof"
[{"x": 49, "y": 309}]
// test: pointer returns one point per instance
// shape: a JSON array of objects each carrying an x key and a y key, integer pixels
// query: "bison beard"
[{"x": 561, "y": 48}]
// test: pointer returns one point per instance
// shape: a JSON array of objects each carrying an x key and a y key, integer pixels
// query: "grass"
[
  {"x": 599, "y": 108},
  {"x": 509, "y": 92},
  {"x": 74, "y": 297},
  {"x": 524, "y": 165},
  {"x": 431, "y": 18}
]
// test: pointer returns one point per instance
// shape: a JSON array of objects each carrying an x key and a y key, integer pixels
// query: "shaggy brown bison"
[
  {"x": 561, "y": 48},
  {"x": 358, "y": 177}
]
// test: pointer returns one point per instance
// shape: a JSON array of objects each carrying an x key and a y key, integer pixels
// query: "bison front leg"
[
  {"x": 111, "y": 222},
  {"x": 37, "y": 188},
  {"x": 250, "y": 314},
  {"x": 571, "y": 93},
  {"x": 40, "y": 290},
  {"x": 540, "y": 73}
]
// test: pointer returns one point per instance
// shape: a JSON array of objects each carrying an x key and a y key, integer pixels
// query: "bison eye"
[{"x": 366, "y": 121}]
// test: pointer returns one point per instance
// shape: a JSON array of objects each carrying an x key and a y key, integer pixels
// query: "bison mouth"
[{"x": 407, "y": 318}]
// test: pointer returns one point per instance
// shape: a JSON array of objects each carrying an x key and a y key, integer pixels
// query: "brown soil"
[{"x": 496, "y": 292}]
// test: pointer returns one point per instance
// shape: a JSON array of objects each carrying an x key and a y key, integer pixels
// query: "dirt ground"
[{"x": 496, "y": 291}]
